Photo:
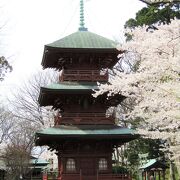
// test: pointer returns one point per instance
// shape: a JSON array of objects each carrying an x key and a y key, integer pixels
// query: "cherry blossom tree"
[{"x": 155, "y": 86}]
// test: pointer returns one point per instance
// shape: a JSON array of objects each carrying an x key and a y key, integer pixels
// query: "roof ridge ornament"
[{"x": 82, "y": 27}]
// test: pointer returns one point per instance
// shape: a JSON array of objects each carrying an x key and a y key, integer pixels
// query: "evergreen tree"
[{"x": 158, "y": 13}]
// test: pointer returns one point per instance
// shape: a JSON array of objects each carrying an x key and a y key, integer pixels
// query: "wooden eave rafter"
[
  {"x": 47, "y": 98},
  {"x": 54, "y": 139},
  {"x": 52, "y": 51}
]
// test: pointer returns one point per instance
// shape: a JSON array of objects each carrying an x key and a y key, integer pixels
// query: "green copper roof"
[
  {"x": 38, "y": 162},
  {"x": 58, "y": 134},
  {"x": 154, "y": 163},
  {"x": 73, "y": 86},
  {"x": 85, "y": 40},
  {"x": 150, "y": 163},
  {"x": 84, "y": 130}
]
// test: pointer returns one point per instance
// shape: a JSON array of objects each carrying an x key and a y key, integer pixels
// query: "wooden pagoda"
[{"x": 84, "y": 135}]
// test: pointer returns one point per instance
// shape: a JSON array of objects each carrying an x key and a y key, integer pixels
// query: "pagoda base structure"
[{"x": 85, "y": 151}]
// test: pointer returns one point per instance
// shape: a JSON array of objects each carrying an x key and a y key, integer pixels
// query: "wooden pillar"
[
  {"x": 145, "y": 175},
  {"x": 164, "y": 174},
  {"x": 60, "y": 167},
  {"x": 155, "y": 173},
  {"x": 97, "y": 175},
  {"x": 159, "y": 173},
  {"x": 80, "y": 173},
  {"x": 148, "y": 176},
  {"x": 45, "y": 176}
]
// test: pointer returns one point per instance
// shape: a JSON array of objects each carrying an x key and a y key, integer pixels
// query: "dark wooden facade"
[
  {"x": 82, "y": 129},
  {"x": 84, "y": 75}
]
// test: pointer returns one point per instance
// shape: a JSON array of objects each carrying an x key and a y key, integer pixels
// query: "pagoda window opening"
[
  {"x": 70, "y": 165},
  {"x": 103, "y": 164}
]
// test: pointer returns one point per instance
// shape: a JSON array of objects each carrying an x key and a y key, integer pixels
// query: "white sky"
[{"x": 33, "y": 23}]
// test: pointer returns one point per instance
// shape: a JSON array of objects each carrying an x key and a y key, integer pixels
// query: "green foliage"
[
  {"x": 177, "y": 176},
  {"x": 147, "y": 16},
  {"x": 131, "y": 23},
  {"x": 142, "y": 146},
  {"x": 119, "y": 170},
  {"x": 160, "y": 13}
]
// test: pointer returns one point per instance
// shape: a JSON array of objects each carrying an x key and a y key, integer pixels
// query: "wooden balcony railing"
[
  {"x": 113, "y": 177},
  {"x": 84, "y": 118},
  {"x": 71, "y": 176},
  {"x": 95, "y": 177},
  {"x": 54, "y": 175},
  {"x": 83, "y": 75}
]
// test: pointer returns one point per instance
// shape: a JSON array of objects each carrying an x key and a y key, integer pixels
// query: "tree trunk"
[
  {"x": 177, "y": 163},
  {"x": 172, "y": 171}
]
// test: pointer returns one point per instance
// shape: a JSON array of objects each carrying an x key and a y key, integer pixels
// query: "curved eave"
[
  {"x": 39, "y": 162},
  {"x": 49, "y": 59},
  {"x": 48, "y": 140},
  {"x": 87, "y": 130},
  {"x": 153, "y": 163},
  {"x": 60, "y": 134},
  {"x": 48, "y": 95},
  {"x": 52, "y": 49}
]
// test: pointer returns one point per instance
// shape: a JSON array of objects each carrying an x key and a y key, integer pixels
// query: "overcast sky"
[{"x": 30, "y": 24}]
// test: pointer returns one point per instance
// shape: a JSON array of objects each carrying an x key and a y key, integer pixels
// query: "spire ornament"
[{"x": 82, "y": 27}]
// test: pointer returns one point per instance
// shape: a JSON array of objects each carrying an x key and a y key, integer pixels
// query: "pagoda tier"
[
  {"x": 89, "y": 148},
  {"x": 56, "y": 136},
  {"x": 89, "y": 50},
  {"x": 76, "y": 104},
  {"x": 66, "y": 93}
]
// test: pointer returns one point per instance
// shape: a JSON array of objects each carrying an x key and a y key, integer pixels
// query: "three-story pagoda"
[{"x": 84, "y": 135}]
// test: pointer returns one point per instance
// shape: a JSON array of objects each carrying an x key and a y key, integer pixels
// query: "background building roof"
[{"x": 153, "y": 163}]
